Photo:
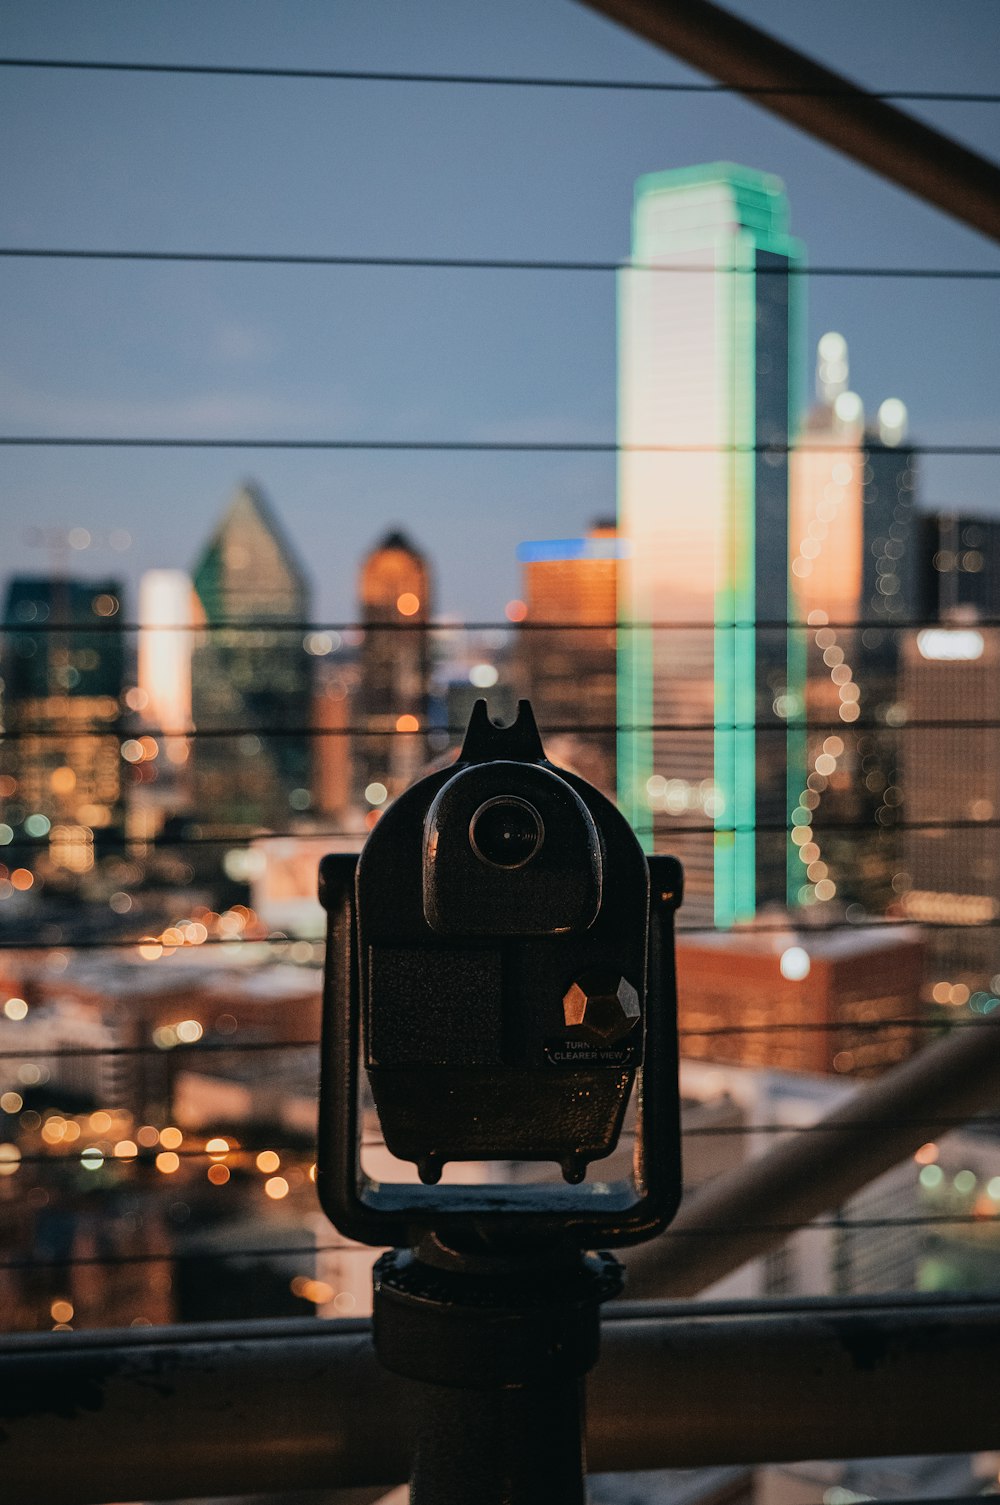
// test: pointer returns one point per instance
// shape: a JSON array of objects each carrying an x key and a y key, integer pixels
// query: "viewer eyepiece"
[{"x": 506, "y": 832}]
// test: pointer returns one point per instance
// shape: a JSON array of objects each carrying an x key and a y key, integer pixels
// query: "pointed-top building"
[
  {"x": 248, "y": 568},
  {"x": 250, "y": 676}
]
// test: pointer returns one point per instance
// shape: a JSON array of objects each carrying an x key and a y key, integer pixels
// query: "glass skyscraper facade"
[
  {"x": 251, "y": 680},
  {"x": 707, "y": 682},
  {"x": 62, "y": 658}
]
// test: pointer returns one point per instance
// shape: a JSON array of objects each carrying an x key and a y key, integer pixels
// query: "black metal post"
[
  {"x": 498, "y": 1347},
  {"x": 501, "y": 1447}
]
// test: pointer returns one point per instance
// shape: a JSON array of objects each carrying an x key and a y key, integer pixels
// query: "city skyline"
[
  {"x": 195, "y": 1153},
  {"x": 768, "y": 628},
  {"x": 377, "y": 353}
]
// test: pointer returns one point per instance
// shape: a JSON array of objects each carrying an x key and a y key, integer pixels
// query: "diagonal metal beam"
[
  {"x": 748, "y": 1211},
  {"x": 825, "y": 104}
]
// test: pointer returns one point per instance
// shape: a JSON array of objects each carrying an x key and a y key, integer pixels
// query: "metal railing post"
[
  {"x": 226, "y": 1408},
  {"x": 825, "y": 104}
]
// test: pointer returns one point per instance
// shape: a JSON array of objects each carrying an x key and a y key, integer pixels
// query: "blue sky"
[{"x": 180, "y": 163}]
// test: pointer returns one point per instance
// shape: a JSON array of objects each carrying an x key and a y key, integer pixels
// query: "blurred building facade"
[
  {"x": 705, "y": 760},
  {"x": 854, "y": 545},
  {"x": 161, "y": 700},
  {"x": 164, "y": 658},
  {"x": 251, "y": 678},
  {"x": 61, "y": 779},
  {"x": 135, "y": 1176},
  {"x": 959, "y": 566},
  {"x": 567, "y": 647},
  {"x": 951, "y": 773},
  {"x": 391, "y": 702},
  {"x": 331, "y": 759}
]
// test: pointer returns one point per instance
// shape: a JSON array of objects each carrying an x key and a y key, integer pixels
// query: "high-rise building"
[
  {"x": 853, "y": 546},
  {"x": 959, "y": 566},
  {"x": 391, "y": 700},
  {"x": 950, "y": 878},
  {"x": 63, "y": 673},
  {"x": 568, "y": 668},
  {"x": 162, "y": 702},
  {"x": 165, "y": 611},
  {"x": 331, "y": 749},
  {"x": 950, "y": 759},
  {"x": 251, "y": 679},
  {"x": 706, "y": 762}
]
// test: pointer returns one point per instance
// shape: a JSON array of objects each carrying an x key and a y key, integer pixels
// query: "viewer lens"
[{"x": 506, "y": 832}]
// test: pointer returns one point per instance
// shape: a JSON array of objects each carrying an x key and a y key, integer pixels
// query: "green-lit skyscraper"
[{"x": 706, "y": 685}]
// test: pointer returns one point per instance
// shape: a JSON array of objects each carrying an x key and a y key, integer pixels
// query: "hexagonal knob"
[{"x": 601, "y": 1006}]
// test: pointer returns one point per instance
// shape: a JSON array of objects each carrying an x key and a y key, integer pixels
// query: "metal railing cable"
[
  {"x": 491, "y": 80},
  {"x": 144, "y": 1155},
  {"x": 489, "y": 264},
  {"x": 448, "y": 446},
  {"x": 286, "y": 1251},
  {"x": 183, "y": 1050},
  {"x": 280, "y": 939},
  {"x": 354, "y": 629}
]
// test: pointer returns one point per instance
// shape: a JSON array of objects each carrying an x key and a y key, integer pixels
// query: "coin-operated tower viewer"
[{"x": 500, "y": 978}]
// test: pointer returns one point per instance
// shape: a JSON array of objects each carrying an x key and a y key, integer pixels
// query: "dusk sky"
[{"x": 159, "y": 162}]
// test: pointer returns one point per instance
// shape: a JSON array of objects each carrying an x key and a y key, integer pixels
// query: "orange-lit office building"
[
  {"x": 331, "y": 760},
  {"x": 567, "y": 648},
  {"x": 390, "y": 708}
]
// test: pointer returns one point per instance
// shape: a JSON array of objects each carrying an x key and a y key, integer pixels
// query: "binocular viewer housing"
[{"x": 493, "y": 972}]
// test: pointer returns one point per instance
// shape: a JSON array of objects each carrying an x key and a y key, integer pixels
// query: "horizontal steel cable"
[
  {"x": 680, "y": 827},
  {"x": 182, "y": 1048},
  {"x": 491, "y": 80},
  {"x": 146, "y": 1156},
  {"x": 272, "y": 627},
  {"x": 60, "y": 1157},
  {"x": 868, "y": 922},
  {"x": 487, "y": 263},
  {"x": 453, "y": 446},
  {"x": 258, "y": 729},
  {"x": 112, "y": 1261},
  {"x": 939, "y": 1025}
]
